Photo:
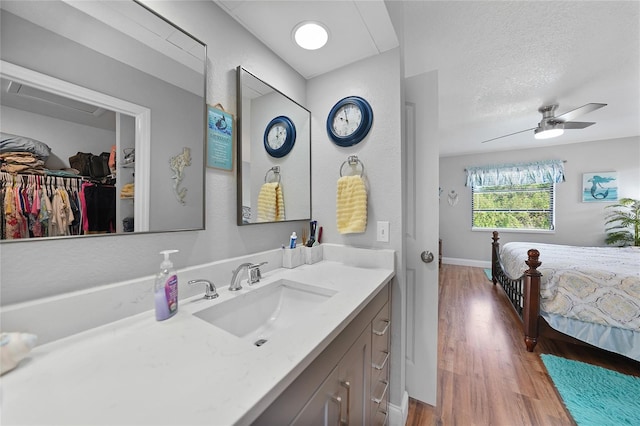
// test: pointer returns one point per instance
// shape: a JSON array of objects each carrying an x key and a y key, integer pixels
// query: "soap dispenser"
[{"x": 166, "y": 288}]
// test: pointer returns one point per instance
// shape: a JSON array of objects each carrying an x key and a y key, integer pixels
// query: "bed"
[{"x": 586, "y": 295}]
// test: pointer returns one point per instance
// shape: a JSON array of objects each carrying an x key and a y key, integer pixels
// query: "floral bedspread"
[{"x": 592, "y": 284}]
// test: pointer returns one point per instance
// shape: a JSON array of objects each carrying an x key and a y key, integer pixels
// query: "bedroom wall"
[{"x": 577, "y": 223}]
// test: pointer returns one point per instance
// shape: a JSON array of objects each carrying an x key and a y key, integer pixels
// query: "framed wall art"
[
  {"x": 220, "y": 129},
  {"x": 599, "y": 187}
]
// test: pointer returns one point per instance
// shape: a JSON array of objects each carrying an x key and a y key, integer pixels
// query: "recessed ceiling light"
[{"x": 310, "y": 35}]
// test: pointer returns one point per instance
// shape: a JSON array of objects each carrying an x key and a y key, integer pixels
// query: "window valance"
[{"x": 550, "y": 171}]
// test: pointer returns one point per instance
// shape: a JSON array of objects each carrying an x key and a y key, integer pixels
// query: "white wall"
[
  {"x": 62, "y": 265},
  {"x": 577, "y": 223},
  {"x": 378, "y": 81}
]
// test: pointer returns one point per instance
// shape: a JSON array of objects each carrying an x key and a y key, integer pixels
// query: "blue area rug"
[
  {"x": 594, "y": 395},
  {"x": 487, "y": 272}
]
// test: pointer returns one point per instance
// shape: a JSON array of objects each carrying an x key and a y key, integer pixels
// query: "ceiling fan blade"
[
  {"x": 575, "y": 113},
  {"x": 577, "y": 124},
  {"x": 510, "y": 134}
]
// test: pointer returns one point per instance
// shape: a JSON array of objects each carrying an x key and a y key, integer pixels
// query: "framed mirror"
[
  {"x": 112, "y": 97},
  {"x": 274, "y": 154}
]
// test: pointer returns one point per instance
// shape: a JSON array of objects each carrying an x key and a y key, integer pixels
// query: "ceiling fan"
[{"x": 551, "y": 126}]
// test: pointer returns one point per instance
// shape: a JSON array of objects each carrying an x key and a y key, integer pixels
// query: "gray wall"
[
  {"x": 172, "y": 110},
  {"x": 294, "y": 167},
  {"x": 63, "y": 137},
  {"x": 63, "y": 265},
  {"x": 378, "y": 80},
  {"x": 577, "y": 223}
]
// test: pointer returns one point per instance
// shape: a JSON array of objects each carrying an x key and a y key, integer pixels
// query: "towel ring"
[
  {"x": 353, "y": 161},
  {"x": 276, "y": 172}
]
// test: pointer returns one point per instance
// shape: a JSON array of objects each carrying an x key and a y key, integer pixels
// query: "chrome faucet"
[
  {"x": 235, "y": 281},
  {"x": 253, "y": 275},
  {"x": 210, "y": 291}
]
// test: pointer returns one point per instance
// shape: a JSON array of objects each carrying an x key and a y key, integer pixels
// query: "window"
[{"x": 528, "y": 206}]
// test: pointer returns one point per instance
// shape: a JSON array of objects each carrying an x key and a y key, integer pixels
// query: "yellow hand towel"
[
  {"x": 351, "y": 205},
  {"x": 270, "y": 203}
]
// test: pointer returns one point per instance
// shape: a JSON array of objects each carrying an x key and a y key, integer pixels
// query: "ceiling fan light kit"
[{"x": 546, "y": 131}]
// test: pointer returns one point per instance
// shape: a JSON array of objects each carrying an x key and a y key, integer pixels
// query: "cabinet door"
[
  {"x": 343, "y": 398},
  {"x": 325, "y": 406},
  {"x": 355, "y": 375}
]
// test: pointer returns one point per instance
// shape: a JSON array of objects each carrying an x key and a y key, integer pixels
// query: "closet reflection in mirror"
[
  {"x": 272, "y": 186},
  {"x": 73, "y": 84}
]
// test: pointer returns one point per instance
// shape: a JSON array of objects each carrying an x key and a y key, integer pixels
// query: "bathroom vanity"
[{"x": 325, "y": 361}]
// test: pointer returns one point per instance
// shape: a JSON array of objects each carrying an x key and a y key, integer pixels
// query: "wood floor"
[{"x": 485, "y": 374}]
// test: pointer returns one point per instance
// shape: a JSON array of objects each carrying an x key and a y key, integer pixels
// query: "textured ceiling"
[{"x": 497, "y": 61}]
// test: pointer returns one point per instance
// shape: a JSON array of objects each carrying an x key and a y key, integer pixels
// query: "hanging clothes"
[
  {"x": 35, "y": 206},
  {"x": 100, "y": 202},
  {"x": 15, "y": 222}
]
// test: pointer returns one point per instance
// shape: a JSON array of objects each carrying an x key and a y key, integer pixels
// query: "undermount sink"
[{"x": 256, "y": 315}]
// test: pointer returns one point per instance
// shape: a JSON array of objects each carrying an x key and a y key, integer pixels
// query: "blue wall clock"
[
  {"x": 349, "y": 121},
  {"x": 279, "y": 136}
]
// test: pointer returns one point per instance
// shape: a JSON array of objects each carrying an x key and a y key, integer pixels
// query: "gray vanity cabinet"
[
  {"x": 343, "y": 398},
  {"x": 356, "y": 382},
  {"x": 337, "y": 388}
]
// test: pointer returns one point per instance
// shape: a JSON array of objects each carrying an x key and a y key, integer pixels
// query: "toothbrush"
[{"x": 312, "y": 239}]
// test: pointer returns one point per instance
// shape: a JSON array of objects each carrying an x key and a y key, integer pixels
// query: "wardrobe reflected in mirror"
[{"x": 130, "y": 98}]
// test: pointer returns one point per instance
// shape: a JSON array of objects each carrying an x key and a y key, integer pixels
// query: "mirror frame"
[
  {"x": 143, "y": 136},
  {"x": 239, "y": 193}
]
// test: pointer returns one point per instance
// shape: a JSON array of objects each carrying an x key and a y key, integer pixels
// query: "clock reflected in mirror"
[{"x": 279, "y": 136}]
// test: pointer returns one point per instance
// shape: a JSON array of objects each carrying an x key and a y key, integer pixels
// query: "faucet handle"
[
  {"x": 254, "y": 273},
  {"x": 210, "y": 291}
]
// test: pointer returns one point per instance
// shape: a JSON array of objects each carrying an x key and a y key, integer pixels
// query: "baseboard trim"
[
  {"x": 398, "y": 414},
  {"x": 467, "y": 262}
]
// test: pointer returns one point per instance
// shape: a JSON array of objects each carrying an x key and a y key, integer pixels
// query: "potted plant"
[{"x": 626, "y": 220}]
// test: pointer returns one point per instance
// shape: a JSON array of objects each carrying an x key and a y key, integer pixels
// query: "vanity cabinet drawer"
[
  {"x": 379, "y": 400},
  {"x": 381, "y": 324},
  {"x": 379, "y": 374},
  {"x": 381, "y": 416},
  {"x": 380, "y": 360}
]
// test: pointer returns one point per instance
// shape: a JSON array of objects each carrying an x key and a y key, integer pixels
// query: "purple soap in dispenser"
[{"x": 166, "y": 288}]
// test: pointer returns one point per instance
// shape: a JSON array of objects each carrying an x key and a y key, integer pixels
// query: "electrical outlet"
[{"x": 383, "y": 231}]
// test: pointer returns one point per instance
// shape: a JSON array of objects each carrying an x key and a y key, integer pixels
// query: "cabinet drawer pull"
[
  {"x": 380, "y": 365},
  {"x": 384, "y": 330},
  {"x": 338, "y": 401},
  {"x": 347, "y": 385},
  {"x": 384, "y": 420},
  {"x": 384, "y": 392}
]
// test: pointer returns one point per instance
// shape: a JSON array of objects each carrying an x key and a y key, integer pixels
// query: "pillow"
[{"x": 15, "y": 143}]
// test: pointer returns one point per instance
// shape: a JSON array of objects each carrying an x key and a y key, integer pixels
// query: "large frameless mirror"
[
  {"x": 104, "y": 102},
  {"x": 274, "y": 154}
]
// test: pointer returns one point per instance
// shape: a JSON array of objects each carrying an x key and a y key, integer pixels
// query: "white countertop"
[{"x": 181, "y": 371}]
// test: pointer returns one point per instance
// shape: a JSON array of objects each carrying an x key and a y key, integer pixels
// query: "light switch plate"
[{"x": 383, "y": 231}]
